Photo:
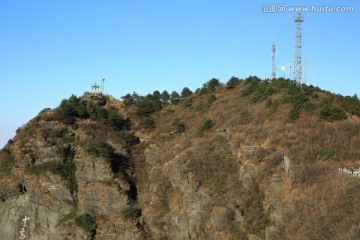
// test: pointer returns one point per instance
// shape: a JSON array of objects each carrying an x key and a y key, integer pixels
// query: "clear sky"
[{"x": 52, "y": 49}]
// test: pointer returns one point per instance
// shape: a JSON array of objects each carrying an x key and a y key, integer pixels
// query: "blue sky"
[{"x": 52, "y": 49}]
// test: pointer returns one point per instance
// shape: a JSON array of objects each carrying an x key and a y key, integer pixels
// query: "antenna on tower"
[
  {"x": 103, "y": 85},
  {"x": 305, "y": 70},
  {"x": 273, "y": 54},
  {"x": 290, "y": 71},
  {"x": 297, "y": 62}
]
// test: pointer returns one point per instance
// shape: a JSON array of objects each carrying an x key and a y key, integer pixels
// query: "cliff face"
[
  {"x": 68, "y": 182},
  {"x": 216, "y": 197},
  {"x": 227, "y": 168}
]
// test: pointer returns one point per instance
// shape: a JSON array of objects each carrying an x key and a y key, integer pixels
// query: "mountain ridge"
[{"x": 249, "y": 159}]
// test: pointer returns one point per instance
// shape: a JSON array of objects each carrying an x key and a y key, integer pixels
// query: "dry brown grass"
[{"x": 318, "y": 201}]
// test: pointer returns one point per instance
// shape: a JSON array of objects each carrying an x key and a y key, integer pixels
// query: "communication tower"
[
  {"x": 305, "y": 71},
  {"x": 273, "y": 54},
  {"x": 297, "y": 63}
]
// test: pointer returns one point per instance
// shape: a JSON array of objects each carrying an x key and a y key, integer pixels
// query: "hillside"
[{"x": 249, "y": 159}]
